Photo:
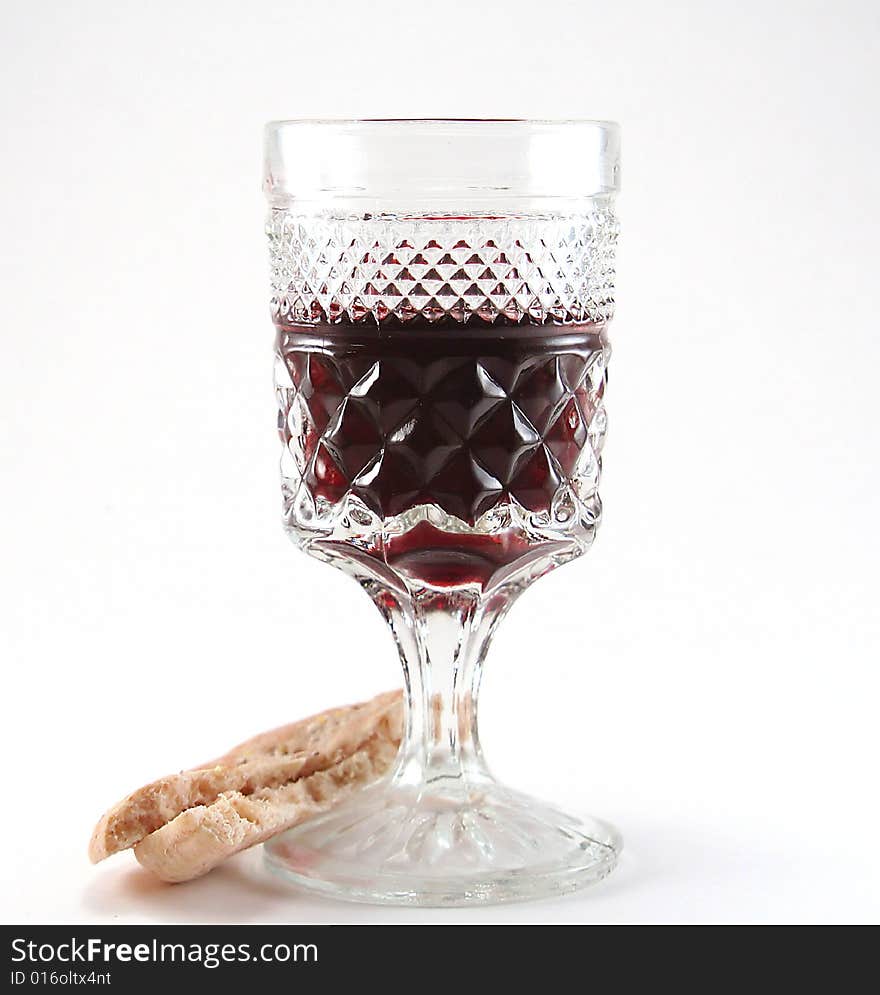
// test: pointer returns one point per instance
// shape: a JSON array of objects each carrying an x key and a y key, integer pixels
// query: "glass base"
[{"x": 398, "y": 844}]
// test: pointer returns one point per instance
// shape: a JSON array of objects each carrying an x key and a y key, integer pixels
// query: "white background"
[{"x": 708, "y": 674}]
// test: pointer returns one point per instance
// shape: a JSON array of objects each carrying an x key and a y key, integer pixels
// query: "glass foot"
[{"x": 397, "y": 844}]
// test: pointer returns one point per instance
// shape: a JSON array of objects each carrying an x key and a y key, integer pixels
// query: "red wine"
[
  {"x": 465, "y": 417},
  {"x": 459, "y": 417}
]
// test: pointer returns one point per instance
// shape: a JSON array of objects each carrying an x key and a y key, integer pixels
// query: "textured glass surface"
[
  {"x": 449, "y": 370},
  {"x": 535, "y": 269},
  {"x": 440, "y": 377},
  {"x": 377, "y": 431}
]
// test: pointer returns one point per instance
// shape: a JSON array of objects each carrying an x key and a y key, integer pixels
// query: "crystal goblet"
[{"x": 441, "y": 292}]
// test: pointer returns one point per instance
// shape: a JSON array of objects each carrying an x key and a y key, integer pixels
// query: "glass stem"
[{"x": 443, "y": 638}]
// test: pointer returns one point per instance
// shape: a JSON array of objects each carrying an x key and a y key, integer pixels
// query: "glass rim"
[
  {"x": 605, "y": 123},
  {"x": 387, "y": 165}
]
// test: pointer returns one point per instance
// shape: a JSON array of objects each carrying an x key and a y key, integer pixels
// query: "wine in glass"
[{"x": 441, "y": 293}]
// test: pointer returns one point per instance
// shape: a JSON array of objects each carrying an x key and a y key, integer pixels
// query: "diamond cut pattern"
[
  {"x": 515, "y": 269},
  {"x": 462, "y": 432}
]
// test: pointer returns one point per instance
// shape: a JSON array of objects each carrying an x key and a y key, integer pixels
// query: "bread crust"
[
  {"x": 266, "y": 784},
  {"x": 200, "y": 838}
]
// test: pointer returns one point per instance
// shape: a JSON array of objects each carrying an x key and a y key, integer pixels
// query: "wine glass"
[{"x": 441, "y": 292}]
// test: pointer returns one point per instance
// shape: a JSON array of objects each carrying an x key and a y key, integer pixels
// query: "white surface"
[{"x": 708, "y": 674}]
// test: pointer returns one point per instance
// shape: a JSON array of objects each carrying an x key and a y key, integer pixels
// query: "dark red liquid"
[{"x": 464, "y": 417}]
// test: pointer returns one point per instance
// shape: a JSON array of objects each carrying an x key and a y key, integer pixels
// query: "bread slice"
[
  {"x": 183, "y": 825},
  {"x": 202, "y": 837}
]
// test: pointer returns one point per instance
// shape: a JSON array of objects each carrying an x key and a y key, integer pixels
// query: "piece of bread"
[
  {"x": 202, "y": 837},
  {"x": 183, "y": 825}
]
